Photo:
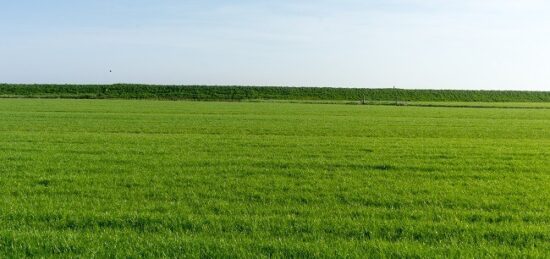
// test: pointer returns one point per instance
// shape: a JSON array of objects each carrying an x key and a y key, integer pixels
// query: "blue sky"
[{"x": 468, "y": 44}]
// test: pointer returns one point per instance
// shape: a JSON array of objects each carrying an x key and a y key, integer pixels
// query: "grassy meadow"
[{"x": 146, "y": 178}]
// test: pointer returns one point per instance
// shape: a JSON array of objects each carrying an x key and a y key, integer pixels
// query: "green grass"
[
  {"x": 524, "y": 105},
  {"x": 240, "y": 93},
  {"x": 515, "y": 105},
  {"x": 122, "y": 178}
]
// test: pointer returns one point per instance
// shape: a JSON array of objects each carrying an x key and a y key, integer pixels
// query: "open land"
[{"x": 258, "y": 179}]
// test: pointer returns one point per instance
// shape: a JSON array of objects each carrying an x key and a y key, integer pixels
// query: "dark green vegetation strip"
[
  {"x": 127, "y": 91},
  {"x": 116, "y": 178}
]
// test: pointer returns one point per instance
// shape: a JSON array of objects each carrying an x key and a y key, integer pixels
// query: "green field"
[{"x": 118, "y": 178}]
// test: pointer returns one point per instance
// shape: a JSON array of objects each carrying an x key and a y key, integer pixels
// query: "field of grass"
[
  {"x": 525, "y": 105},
  {"x": 135, "y": 178},
  {"x": 517, "y": 105}
]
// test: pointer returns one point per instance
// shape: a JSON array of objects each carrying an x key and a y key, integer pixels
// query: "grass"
[
  {"x": 514, "y": 105},
  {"x": 123, "y": 178},
  {"x": 240, "y": 93},
  {"x": 518, "y": 105}
]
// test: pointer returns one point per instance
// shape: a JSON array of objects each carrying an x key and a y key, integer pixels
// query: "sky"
[{"x": 428, "y": 44}]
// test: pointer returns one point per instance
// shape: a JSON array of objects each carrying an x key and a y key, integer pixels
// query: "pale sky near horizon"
[{"x": 434, "y": 44}]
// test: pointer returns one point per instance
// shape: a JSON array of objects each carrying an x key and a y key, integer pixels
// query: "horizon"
[
  {"x": 273, "y": 86},
  {"x": 374, "y": 44}
]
